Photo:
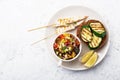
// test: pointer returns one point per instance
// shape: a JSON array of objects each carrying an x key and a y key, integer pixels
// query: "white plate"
[{"x": 75, "y": 11}]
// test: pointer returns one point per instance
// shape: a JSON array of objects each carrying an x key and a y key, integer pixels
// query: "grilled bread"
[{"x": 93, "y": 33}]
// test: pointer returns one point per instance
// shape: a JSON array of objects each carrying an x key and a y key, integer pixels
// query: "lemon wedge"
[
  {"x": 86, "y": 56},
  {"x": 92, "y": 60}
]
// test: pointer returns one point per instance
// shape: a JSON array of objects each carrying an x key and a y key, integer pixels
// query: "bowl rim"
[{"x": 80, "y": 48}]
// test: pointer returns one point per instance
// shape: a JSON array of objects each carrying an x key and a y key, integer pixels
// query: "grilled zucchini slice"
[
  {"x": 86, "y": 34},
  {"x": 96, "y": 41},
  {"x": 98, "y": 29}
]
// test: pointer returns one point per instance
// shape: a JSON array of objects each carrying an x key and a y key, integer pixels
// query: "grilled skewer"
[
  {"x": 63, "y": 28},
  {"x": 59, "y": 25}
]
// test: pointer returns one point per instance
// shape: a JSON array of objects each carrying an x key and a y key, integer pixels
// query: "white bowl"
[{"x": 80, "y": 47}]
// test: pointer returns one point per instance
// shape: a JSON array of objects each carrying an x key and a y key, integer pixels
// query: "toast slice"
[{"x": 79, "y": 30}]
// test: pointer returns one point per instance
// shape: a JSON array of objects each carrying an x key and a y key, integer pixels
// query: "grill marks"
[
  {"x": 95, "y": 42},
  {"x": 86, "y": 34},
  {"x": 87, "y": 31},
  {"x": 93, "y": 33},
  {"x": 97, "y": 27}
]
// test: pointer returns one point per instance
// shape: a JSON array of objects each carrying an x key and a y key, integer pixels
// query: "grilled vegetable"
[
  {"x": 86, "y": 34},
  {"x": 98, "y": 34},
  {"x": 98, "y": 29},
  {"x": 96, "y": 41}
]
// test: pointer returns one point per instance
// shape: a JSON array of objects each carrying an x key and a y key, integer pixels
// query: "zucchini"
[
  {"x": 96, "y": 41},
  {"x": 98, "y": 29},
  {"x": 86, "y": 34}
]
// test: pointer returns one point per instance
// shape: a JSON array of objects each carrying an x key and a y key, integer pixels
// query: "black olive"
[{"x": 76, "y": 49}]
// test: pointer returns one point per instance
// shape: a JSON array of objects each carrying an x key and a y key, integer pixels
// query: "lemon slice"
[
  {"x": 92, "y": 60},
  {"x": 86, "y": 56}
]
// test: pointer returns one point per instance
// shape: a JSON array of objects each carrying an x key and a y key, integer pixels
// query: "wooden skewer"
[
  {"x": 57, "y": 32},
  {"x": 43, "y": 38},
  {"x": 41, "y": 27},
  {"x": 55, "y": 25},
  {"x": 78, "y": 20}
]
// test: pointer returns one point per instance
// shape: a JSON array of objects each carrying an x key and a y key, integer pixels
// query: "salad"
[{"x": 66, "y": 46}]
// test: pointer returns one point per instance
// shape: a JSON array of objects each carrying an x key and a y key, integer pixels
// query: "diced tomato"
[
  {"x": 62, "y": 36},
  {"x": 67, "y": 42},
  {"x": 55, "y": 45},
  {"x": 77, "y": 42}
]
